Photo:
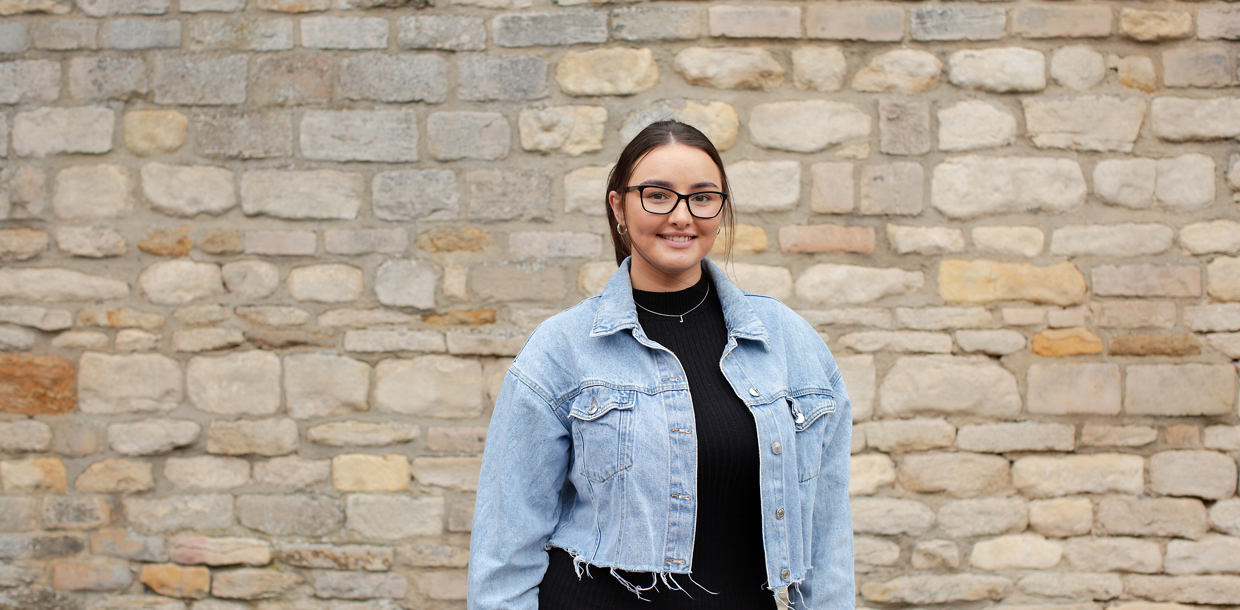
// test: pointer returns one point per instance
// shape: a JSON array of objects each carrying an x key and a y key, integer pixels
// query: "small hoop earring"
[{"x": 621, "y": 229}]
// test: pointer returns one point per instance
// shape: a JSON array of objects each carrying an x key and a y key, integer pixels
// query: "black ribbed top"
[{"x": 728, "y": 557}]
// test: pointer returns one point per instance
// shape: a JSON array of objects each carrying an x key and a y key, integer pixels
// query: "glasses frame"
[{"x": 641, "y": 197}]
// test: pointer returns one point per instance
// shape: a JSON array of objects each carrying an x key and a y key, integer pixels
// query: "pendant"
[{"x": 682, "y": 319}]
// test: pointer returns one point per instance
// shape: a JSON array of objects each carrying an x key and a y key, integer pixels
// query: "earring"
[{"x": 621, "y": 229}]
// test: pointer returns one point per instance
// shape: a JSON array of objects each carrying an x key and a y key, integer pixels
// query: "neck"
[{"x": 643, "y": 277}]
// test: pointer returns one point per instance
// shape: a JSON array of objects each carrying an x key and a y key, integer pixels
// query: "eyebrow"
[{"x": 668, "y": 185}]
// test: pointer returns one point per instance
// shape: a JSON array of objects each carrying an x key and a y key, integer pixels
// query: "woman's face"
[{"x": 668, "y": 249}]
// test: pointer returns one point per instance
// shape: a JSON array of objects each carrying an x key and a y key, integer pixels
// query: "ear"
[{"x": 617, "y": 206}]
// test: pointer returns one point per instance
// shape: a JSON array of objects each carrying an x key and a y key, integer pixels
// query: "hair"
[{"x": 662, "y": 133}]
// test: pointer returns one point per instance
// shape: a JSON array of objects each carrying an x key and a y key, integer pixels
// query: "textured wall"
[{"x": 264, "y": 267}]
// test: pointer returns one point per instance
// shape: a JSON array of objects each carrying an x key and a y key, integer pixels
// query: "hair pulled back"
[{"x": 662, "y": 133}]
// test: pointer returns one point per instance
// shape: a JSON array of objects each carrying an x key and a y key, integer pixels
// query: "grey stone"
[
  {"x": 344, "y": 33},
  {"x": 107, "y": 8},
  {"x": 188, "y": 191},
  {"x": 291, "y": 472},
  {"x": 53, "y": 284},
  {"x": 1218, "y": 23},
  {"x": 36, "y": 317},
  {"x": 1073, "y": 585},
  {"x": 983, "y": 517},
  {"x": 806, "y": 126},
  {"x": 904, "y": 127},
  {"x": 1204, "y": 474},
  {"x": 1212, "y": 554},
  {"x": 287, "y": 80},
  {"x": 394, "y": 340},
  {"x": 253, "y": 583},
  {"x": 92, "y": 192},
  {"x": 220, "y": 33},
  {"x": 199, "y": 513},
  {"x": 141, "y": 383},
  {"x": 430, "y": 194},
  {"x": 394, "y": 517},
  {"x": 244, "y": 135},
  {"x": 543, "y": 29},
  {"x": 765, "y": 186},
  {"x": 29, "y": 81},
  {"x": 1225, "y": 516},
  {"x": 331, "y": 283},
  {"x": 199, "y": 81},
  {"x": 318, "y": 194},
  {"x": 106, "y": 77},
  {"x": 1126, "y": 240},
  {"x": 359, "y": 585},
  {"x": 1000, "y": 70},
  {"x": 395, "y": 78},
  {"x": 25, "y": 435},
  {"x": 65, "y": 34},
  {"x": 268, "y": 437},
  {"x": 968, "y": 187},
  {"x": 650, "y": 23},
  {"x": 388, "y": 136},
  {"x": 16, "y": 339},
  {"x": 1180, "y": 389},
  {"x": 1078, "y": 67},
  {"x": 14, "y": 38},
  {"x": 819, "y": 68},
  {"x": 1098, "y": 123},
  {"x": 429, "y": 386},
  {"x": 979, "y": 386},
  {"x": 442, "y": 32},
  {"x": 152, "y": 436},
  {"x": 250, "y": 280},
  {"x": 322, "y": 385},
  {"x": 406, "y": 283},
  {"x": 48, "y": 131},
  {"x": 1185, "y": 120},
  {"x": 509, "y": 195},
  {"x": 485, "y": 78},
  {"x": 244, "y": 383},
  {"x": 134, "y": 34},
  {"x": 958, "y": 23},
  {"x": 468, "y": 135},
  {"x": 1197, "y": 67}
]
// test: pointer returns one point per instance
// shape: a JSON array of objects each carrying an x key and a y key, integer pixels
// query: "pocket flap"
[
  {"x": 595, "y": 402},
  {"x": 807, "y": 408}
]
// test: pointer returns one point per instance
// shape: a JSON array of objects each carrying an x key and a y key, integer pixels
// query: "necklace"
[{"x": 680, "y": 315}]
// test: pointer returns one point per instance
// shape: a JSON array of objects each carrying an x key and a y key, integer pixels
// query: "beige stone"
[
  {"x": 869, "y": 553},
  {"x": 868, "y": 472},
  {"x": 1150, "y": 26},
  {"x": 571, "y": 130},
  {"x": 1203, "y": 474},
  {"x": 611, "y": 71},
  {"x": 806, "y": 126},
  {"x": 847, "y": 284},
  {"x": 972, "y": 186},
  {"x": 33, "y": 475},
  {"x": 982, "y": 281},
  {"x": 983, "y": 517},
  {"x": 1072, "y": 585},
  {"x": 1066, "y": 342},
  {"x": 903, "y": 71},
  {"x": 1047, "y": 477},
  {"x": 1097, "y": 123},
  {"x": 1212, "y": 554},
  {"x": 1216, "y": 589},
  {"x": 1016, "y": 436},
  {"x": 1145, "y": 516},
  {"x": 1016, "y": 552},
  {"x": 458, "y": 473},
  {"x": 1061, "y": 517},
  {"x": 949, "y": 385},
  {"x": 201, "y": 550},
  {"x": 936, "y": 589},
  {"x": 717, "y": 120},
  {"x": 961, "y": 475},
  {"x": 149, "y": 133},
  {"x": 890, "y": 516},
  {"x": 930, "y": 554},
  {"x": 1100, "y": 554},
  {"x": 93, "y": 192},
  {"x": 818, "y": 68},
  {"x": 1180, "y": 389},
  {"x": 115, "y": 476},
  {"x": 1010, "y": 241},
  {"x": 729, "y": 68},
  {"x": 903, "y": 436},
  {"x": 357, "y": 472}
]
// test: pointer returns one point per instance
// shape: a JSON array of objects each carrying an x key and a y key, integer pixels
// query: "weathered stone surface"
[
  {"x": 468, "y": 135},
  {"x": 393, "y": 517},
  {"x": 342, "y": 557},
  {"x": 1061, "y": 517},
  {"x": 559, "y": 28},
  {"x": 90, "y": 242},
  {"x": 1123, "y": 515},
  {"x": 357, "y": 472},
  {"x": 29, "y": 81},
  {"x": 760, "y": 186},
  {"x": 394, "y": 340},
  {"x": 873, "y": 552},
  {"x": 177, "y": 581},
  {"x": 930, "y": 554},
  {"x": 21, "y": 244},
  {"x": 903, "y": 436},
  {"x": 1066, "y": 342},
  {"x": 291, "y": 472},
  {"x": 180, "y": 282},
  {"x": 1015, "y": 552},
  {"x": 819, "y": 68},
  {"x": 571, "y": 130},
  {"x": 514, "y": 283},
  {"x": 716, "y": 120},
  {"x": 206, "y": 339},
  {"x": 826, "y": 238},
  {"x": 97, "y": 575},
  {"x": 388, "y": 136},
  {"x": 1061, "y": 389},
  {"x": 25, "y": 435},
  {"x": 1185, "y": 589},
  {"x": 1196, "y": 67},
  {"x": 1210, "y": 237},
  {"x": 958, "y": 23},
  {"x": 93, "y": 192},
  {"x": 898, "y": 341},
  {"x": 192, "y": 80},
  {"x": 108, "y": 77},
  {"x": 729, "y": 68},
  {"x": 51, "y": 284},
  {"x": 1225, "y": 516},
  {"x": 848, "y": 284},
  {"x": 1204, "y": 474},
  {"x": 313, "y": 194},
  {"x": 274, "y": 315},
  {"x": 290, "y": 80},
  {"x": 127, "y": 544},
  {"x": 357, "y": 433},
  {"x": 244, "y": 383},
  {"x": 662, "y": 23},
  {"x": 844, "y": 22},
  {"x": 394, "y": 78},
  {"x": 485, "y": 79},
  {"x": 904, "y": 71},
  {"x": 509, "y": 195},
  {"x": 416, "y": 194},
  {"x": 1113, "y": 554},
  {"x": 1078, "y": 585},
  {"x": 918, "y": 385},
  {"x": 974, "y": 124},
  {"x": 49, "y": 131},
  {"x": 961, "y": 475},
  {"x": 442, "y": 32},
  {"x": 204, "y": 512},
  {"x": 152, "y": 436},
  {"x": 1146, "y": 280},
  {"x": 992, "y": 342},
  {"x": 252, "y": 583},
  {"x": 207, "y": 472},
  {"x": 459, "y": 473},
  {"x": 32, "y": 475},
  {"x": 259, "y": 436},
  {"x": 982, "y": 281},
  {"x": 1046, "y": 477},
  {"x": 968, "y": 187},
  {"x": 1185, "y": 182},
  {"x": 1180, "y": 389},
  {"x": 322, "y": 385},
  {"x": 890, "y": 516},
  {"x": 936, "y": 589},
  {"x": 614, "y": 71},
  {"x": 1079, "y": 67},
  {"x": 1182, "y": 119},
  {"x": 806, "y": 126},
  {"x": 154, "y": 132},
  {"x": 1211, "y": 555},
  {"x": 406, "y": 283},
  {"x": 1022, "y": 436},
  {"x": 331, "y": 283},
  {"x": 924, "y": 240},
  {"x": 135, "y": 34},
  {"x": 894, "y": 189},
  {"x": 754, "y": 21},
  {"x": 868, "y": 472},
  {"x": 1099, "y": 122},
  {"x": 110, "y": 384},
  {"x": 1149, "y": 26},
  {"x": 904, "y": 127},
  {"x": 1062, "y": 22},
  {"x": 345, "y": 585},
  {"x": 344, "y": 33},
  {"x": 428, "y": 386},
  {"x": 290, "y": 514},
  {"x": 1155, "y": 345},
  {"x": 999, "y": 70}
]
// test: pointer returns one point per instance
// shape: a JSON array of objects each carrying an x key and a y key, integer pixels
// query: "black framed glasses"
[{"x": 661, "y": 201}]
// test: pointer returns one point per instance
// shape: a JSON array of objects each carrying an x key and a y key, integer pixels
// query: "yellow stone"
[
  {"x": 717, "y": 120},
  {"x": 357, "y": 472},
  {"x": 34, "y": 474},
  {"x": 615, "y": 71},
  {"x": 747, "y": 239},
  {"x": 154, "y": 132},
  {"x": 1137, "y": 72},
  {"x": 1066, "y": 342},
  {"x": 982, "y": 281},
  {"x": 1148, "y": 26}
]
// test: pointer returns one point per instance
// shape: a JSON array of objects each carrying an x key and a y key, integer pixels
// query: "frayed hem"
[
  {"x": 795, "y": 585},
  {"x": 582, "y": 566}
]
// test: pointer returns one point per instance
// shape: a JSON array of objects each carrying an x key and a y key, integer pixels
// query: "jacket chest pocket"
[
  {"x": 809, "y": 418},
  {"x": 602, "y": 430}
]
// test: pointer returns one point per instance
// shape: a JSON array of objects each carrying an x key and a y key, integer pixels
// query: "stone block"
[
  {"x": 1138, "y": 314},
  {"x": 1155, "y": 345},
  {"x": 139, "y": 383},
  {"x": 974, "y": 124},
  {"x": 1079, "y": 67},
  {"x": 616, "y": 71},
  {"x": 1180, "y": 389},
  {"x": 55, "y": 284},
  {"x": 21, "y": 244},
  {"x": 1049, "y": 477},
  {"x": 244, "y": 383},
  {"x": 890, "y": 516},
  {"x": 177, "y": 581},
  {"x": 468, "y": 135},
  {"x": 924, "y": 240},
  {"x": 1151, "y": 26},
  {"x": 503, "y": 282},
  {"x": 135, "y": 34},
  {"x": 913, "y": 386},
  {"x": 322, "y": 385},
  {"x": 904, "y": 127},
  {"x": 968, "y": 187},
  {"x": 429, "y": 386},
  {"x": 1078, "y": 585},
  {"x": 203, "y": 512},
  {"x": 571, "y": 130},
  {"x": 387, "y": 136},
  {"x": 484, "y": 78},
  {"x": 1062, "y": 389},
  {"x": 1225, "y": 516},
  {"x": 897, "y": 341},
  {"x": 1016, "y": 552},
  {"x": 406, "y": 283},
  {"x": 894, "y": 189},
  {"x": 930, "y": 554},
  {"x": 180, "y": 282},
  {"x": 1226, "y": 438},
  {"x": 960, "y": 475},
  {"x": 1066, "y": 342},
  {"x": 97, "y": 575},
  {"x": 1061, "y": 517},
  {"x": 729, "y": 68},
  {"x": 199, "y": 81},
  {"x": 291, "y": 472},
  {"x": 442, "y": 32},
  {"x": 154, "y": 132},
  {"x": 832, "y": 190},
  {"x": 640, "y": 23},
  {"x": 394, "y": 517},
  {"x": 844, "y": 22},
  {"x": 365, "y": 241},
  {"x": 958, "y": 23},
  {"x": 25, "y": 435},
  {"x": 458, "y": 473},
  {"x": 1185, "y": 589},
  {"x": 1184, "y": 120},
  {"x": 14, "y": 38},
  {"x": 1097, "y": 123},
  {"x": 1022, "y": 436},
  {"x": 336, "y": 557},
  {"x": 509, "y": 194},
  {"x": 29, "y": 81},
  {"x": 106, "y": 78},
  {"x": 252, "y": 279},
  {"x": 253, "y": 583},
  {"x": 998, "y": 70},
  {"x": 942, "y": 318},
  {"x": 359, "y": 585},
  {"x": 1203, "y": 474},
  {"x": 294, "y": 6},
  {"x": 868, "y": 472},
  {"x": 754, "y": 21},
  {"x": 1185, "y": 182},
  {"x": 1117, "y": 436},
  {"x": 115, "y": 476},
  {"x": 244, "y": 135},
  {"x": 128, "y": 544},
  {"x": 108, "y": 8},
  {"x": 1210, "y": 555},
  {"x": 1099, "y": 554},
  {"x": 544, "y": 244},
  {"x": 291, "y": 81},
  {"x": 32, "y": 475},
  {"x": 430, "y": 194},
  {"x": 361, "y": 434},
  {"x": 549, "y": 29},
  {"x": 818, "y": 68},
  {"x": 903, "y": 71},
  {"x": 982, "y": 281},
  {"x": 65, "y": 34},
  {"x": 311, "y": 194},
  {"x": 267, "y": 437},
  {"x": 765, "y": 186},
  {"x": 870, "y": 553},
  {"x": 1146, "y": 280},
  {"x": 456, "y": 439},
  {"x": 93, "y": 192},
  {"x": 152, "y": 436},
  {"x": 1062, "y": 22},
  {"x": 584, "y": 188},
  {"x": 213, "y": 6},
  {"x": 826, "y": 238},
  {"x": 992, "y": 342},
  {"x": 902, "y": 436},
  {"x": 848, "y": 284},
  {"x": 1221, "y": 236},
  {"x": 207, "y": 472},
  {"x": 50, "y": 131},
  {"x": 1222, "y": 317},
  {"x": 187, "y": 190},
  {"x": 395, "y": 78},
  {"x": 1197, "y": 67},
  {"x": 353, "y": 33},
  {"x": 936, "y": 589},
  {"x": 716, "y": 120},
  {"x": 394, "y": 340},
  {"x": 1218, "y": 23},
  {"x": 356, "y": 472}
]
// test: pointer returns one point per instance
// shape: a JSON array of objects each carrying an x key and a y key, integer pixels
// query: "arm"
[
  {"x": 831, "y": 584},
  {"x": 523, "y": 469}
]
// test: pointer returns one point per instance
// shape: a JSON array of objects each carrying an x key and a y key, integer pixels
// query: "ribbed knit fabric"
[{"x": 728, "y": 557}]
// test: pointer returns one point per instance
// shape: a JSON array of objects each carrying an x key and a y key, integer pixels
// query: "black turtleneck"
[{"x": 728, "y": 556}]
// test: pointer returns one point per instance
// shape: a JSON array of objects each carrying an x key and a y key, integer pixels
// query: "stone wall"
[{"x": 264, "y": 265}]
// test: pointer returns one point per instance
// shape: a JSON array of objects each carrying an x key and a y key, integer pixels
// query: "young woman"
[{"x": 674, "y": 442}]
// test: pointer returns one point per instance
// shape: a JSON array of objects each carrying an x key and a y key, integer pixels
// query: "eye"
[
  {"x": 701, "y": 198},
  {"x": 656, "y": 195}
]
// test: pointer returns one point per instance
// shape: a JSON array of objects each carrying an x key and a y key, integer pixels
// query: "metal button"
[
  {"x": 785, "y": 574},
  {"x": 779, "y": 513},
  {"x": 754, "y": 392},
  {"x": 593, "y": 409},
  {"x": 777, "y": 448}
]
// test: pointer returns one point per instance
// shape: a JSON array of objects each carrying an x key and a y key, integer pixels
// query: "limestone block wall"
[{"x": 265, "y": 263}]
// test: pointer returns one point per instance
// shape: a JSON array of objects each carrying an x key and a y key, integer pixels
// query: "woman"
[{"x": 673, "y": 442}]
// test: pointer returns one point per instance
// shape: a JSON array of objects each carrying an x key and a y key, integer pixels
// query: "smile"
[{"x": 678, "y": 238}]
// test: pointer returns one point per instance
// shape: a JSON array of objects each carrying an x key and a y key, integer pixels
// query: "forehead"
[{"x": 676, "y": 163}]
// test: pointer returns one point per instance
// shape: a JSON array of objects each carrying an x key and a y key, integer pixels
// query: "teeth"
[{"x": 677, "y": 237}]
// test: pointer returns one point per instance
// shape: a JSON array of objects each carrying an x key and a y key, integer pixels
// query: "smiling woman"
[{"x": 674, "y": 442}]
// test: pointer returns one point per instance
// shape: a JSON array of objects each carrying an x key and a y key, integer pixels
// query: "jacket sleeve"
[
  {"x": 524, "y": 467},
  {"x": 831, "y": 585}
]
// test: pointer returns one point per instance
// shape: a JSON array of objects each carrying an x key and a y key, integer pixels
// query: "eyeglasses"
[{"x": 662, "y": 201}]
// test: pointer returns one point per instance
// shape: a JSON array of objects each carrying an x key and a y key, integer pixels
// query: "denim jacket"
[{"x": 592, "y": 449}]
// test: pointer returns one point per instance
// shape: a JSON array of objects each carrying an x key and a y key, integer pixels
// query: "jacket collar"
[{"x": 616, "y": 310}]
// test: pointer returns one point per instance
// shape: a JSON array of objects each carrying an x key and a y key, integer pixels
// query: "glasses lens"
[{"x": 705, "y": 204}]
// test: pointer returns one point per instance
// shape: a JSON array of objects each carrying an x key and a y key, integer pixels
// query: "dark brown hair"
[{"x": 662, "y": 133}]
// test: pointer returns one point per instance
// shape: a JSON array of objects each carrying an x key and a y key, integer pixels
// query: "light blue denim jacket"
[{"x": 592, "y": 449}]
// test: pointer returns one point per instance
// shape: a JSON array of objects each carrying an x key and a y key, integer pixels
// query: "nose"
[{"x": 680, "y": 215}]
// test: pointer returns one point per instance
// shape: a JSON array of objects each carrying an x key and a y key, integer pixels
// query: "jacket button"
[
  {"x": 779, "y": 513},
  {"x": 592, "y": 410},
  {"x": 777, "y": 448},
  {"x": 754, "y": 392},
  {"x": 785, "y": 574}
]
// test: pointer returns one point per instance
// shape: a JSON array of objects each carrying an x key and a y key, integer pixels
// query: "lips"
[{"x": 678, "y": 238}]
